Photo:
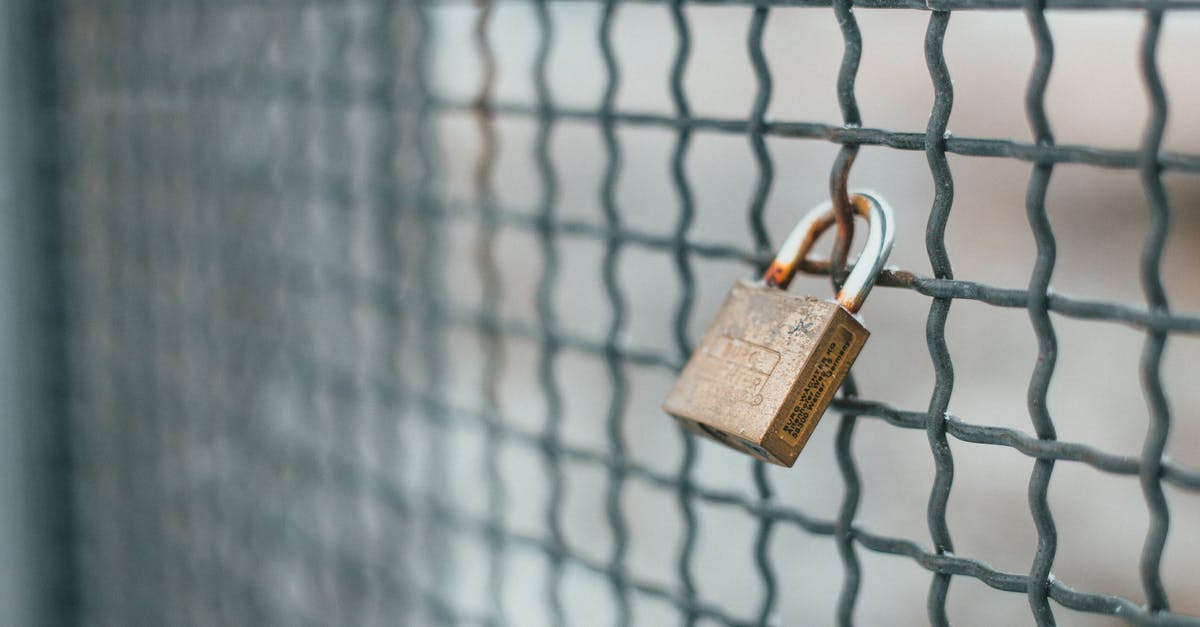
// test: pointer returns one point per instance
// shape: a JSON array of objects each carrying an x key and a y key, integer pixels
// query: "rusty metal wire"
[{"x": 181, "y": 321}]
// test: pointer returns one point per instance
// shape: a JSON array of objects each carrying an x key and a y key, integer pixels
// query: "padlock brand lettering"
[
  {"x": 739, "y": 366},
  {"x": 820, "y": 386}
]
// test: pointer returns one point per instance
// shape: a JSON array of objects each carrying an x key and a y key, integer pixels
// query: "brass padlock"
[{"x": 771, "y": 361}]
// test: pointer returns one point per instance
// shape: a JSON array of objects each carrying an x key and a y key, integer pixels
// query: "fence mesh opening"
[{"x": 371, "y": 305}]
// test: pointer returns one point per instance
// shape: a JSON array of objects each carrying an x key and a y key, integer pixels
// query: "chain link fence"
[{"x": 369, "y": 313}]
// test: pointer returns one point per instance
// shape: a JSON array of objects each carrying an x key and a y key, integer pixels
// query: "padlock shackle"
[{"x": 861, "y": 279}]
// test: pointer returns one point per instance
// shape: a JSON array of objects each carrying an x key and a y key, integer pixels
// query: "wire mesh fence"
[{"x": 323, "y": 371}]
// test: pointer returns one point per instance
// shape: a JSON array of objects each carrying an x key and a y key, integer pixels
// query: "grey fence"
[{"x": 319, "y": 370}]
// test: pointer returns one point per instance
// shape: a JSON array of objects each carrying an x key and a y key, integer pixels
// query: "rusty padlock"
[{"x": 771, "y": 361}]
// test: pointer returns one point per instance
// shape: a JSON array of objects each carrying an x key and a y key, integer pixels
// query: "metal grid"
[{"x": 256, "y": 249}]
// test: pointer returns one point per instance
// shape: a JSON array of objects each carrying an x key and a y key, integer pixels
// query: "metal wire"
[
  {"x": 939, "y": 309},
  {"x": 196, "y": 501}
]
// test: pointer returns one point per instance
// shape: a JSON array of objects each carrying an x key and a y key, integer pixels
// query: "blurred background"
[{"x": 294, "y": 335}]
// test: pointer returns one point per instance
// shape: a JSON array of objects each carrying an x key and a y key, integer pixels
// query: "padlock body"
[{"x": 765, "y": 371}]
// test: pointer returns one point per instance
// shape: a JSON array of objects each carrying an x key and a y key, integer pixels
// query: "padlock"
[{"x": 771, "y": 361}]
